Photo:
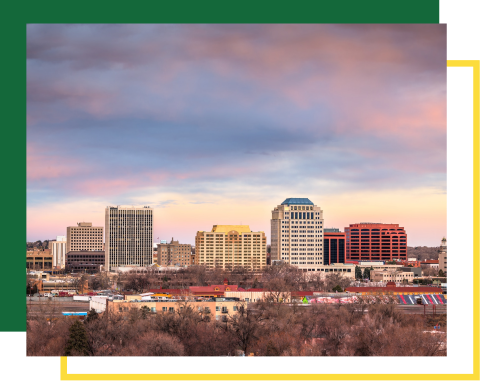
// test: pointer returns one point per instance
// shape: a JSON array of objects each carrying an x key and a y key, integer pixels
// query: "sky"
[{"x": 219, "y": 124}]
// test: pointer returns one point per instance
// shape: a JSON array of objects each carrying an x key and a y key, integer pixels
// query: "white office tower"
[
  {"x": 297, "y": 233},
  {"x": 58, "y": 249},
  {"x": 128, "y": 237}
]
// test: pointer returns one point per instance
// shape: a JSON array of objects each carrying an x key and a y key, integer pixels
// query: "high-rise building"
[
  {"x": 230, "y": 246},
  {"x": 84, "y": 237},
  {"x": 128, "y": 237},
  {"x": 334, "y": 246},
  {"x": 297, "y": 233},
  {"x": 175, "y": 254},
  {"x": 456, "y": 258},
  {"x": 375, "y": 241},
  {"x": 58, "y": 250}
]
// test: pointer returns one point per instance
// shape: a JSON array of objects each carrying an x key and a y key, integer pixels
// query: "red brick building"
[{"x": 375, "y": 242}]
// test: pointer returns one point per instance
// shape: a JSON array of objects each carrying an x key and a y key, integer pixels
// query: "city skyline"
[{"x": 215, "y": 124}]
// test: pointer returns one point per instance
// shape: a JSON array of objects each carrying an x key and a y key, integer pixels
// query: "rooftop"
[
  {"x": 297, "y": 201},
  {"x": 228, "y": 228}
]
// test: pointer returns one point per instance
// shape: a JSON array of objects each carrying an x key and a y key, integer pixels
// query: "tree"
[
  {"x": 336, "y": 279},
  {"x": 91, "y": 316},
  {"x": 77, "y": 343},
  {"x": 337, "y": 288},
  {"x": 358, "y": 272},
  {"x": 144, "y": 312},
  {"x": 367, "y": 273},
  {"x": 245, "y": 327},
  {"x": 99, "y": 281},
  {"x": 441, "y": 273}
]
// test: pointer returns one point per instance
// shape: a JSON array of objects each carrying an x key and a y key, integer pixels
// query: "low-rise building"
[
  {"x": 39, "y": 260},
  {"x": 347, "y": 270},
  {"x": 219, "y": 308},
  {"x": 85, "y": 261},
  {"x": 174, "y": 254},
  {"x": 416, "y": 270},
  {"x": 392, "y": 276},
  {"x": 375, "y": 265},
  {"x": 430, "y": 264},
  {"x": 394, "y": 290}
]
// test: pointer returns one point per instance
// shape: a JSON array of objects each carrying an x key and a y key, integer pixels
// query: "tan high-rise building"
[
  {"x": 443, "y": 256},
  {"x": 128, "y": 237},
  {"x": 175, "y": 254},
  {"x": 228, "y": 246},
  {"x": 297, "y": 233},
  {"x": 84, "y": 237}
]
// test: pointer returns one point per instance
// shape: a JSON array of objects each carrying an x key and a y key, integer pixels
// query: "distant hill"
[{"x": 423, "y": 253}]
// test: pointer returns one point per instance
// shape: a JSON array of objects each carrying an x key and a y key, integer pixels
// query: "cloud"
[{"x": 118, "y": 112}]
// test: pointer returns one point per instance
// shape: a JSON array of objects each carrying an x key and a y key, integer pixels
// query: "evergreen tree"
[
  {"x": 144, "y": 311},
  {"x": 77, "y": 343},
  {"x": 358, "y": 272},
  {"x": 91, "y": 315},
  {"x": 337, "y": 288}
]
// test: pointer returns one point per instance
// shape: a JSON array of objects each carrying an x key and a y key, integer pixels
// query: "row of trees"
[
  {"x": 37, "y": 244},
  {"x": 282, "y": 277},
  {"x": 268, "y": 329}
]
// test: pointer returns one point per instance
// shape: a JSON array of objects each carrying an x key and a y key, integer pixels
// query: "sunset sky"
[{"x": 218, "y": 124}]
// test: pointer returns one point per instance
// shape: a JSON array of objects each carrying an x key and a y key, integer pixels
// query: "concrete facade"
[
  {"x": 228, "y": 246},
  {"x": 443, "y": 256},
  {"x": 58, "y": 248},
  {"x": 85, "y": 261},
  {"x": 39, "y": 260},
  {"x": 84, "y": 237},
  {"x": 392, "y": 276},
  {"x": 174, "y": 254},
  {"x": 297, "y": 233},
  {"x": 218, "y": 308}
]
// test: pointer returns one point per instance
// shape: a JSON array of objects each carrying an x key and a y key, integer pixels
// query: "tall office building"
[
  {"x": 297, "y": 233},
  {"x": 58, "y": 251},
  {"x": 375, "y": 241},
  {"x": 443, "y": 256},
  {"x": 84, "y": 237},
  {"x": 228, "y": 246},
  {"x": 128, "y": 237},
  {"x": 334, "y": 246}
]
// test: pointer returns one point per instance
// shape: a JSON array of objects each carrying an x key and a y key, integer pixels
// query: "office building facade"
[
  {"x": 230, "y": 246},
  {"x": 334, "y": 246},
  {"x": 375, "y": 242},
  {"x": 58, "y": 249},
  {"x": 297, "y": 233},
  {"x": 174, "y": 254},
  {"x": 128, "y": 237},
  {"x": 443, "y": 256},
  {"x": 84, "y": 237},
  {"x": 85, "y": 261}
]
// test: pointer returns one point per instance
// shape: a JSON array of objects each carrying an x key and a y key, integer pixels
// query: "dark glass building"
[
  {"x": 334, "y": 246},
  {"x": 84, "y": 261}
]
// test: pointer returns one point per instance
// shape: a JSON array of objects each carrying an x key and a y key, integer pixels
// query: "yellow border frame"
[{"x": 17, "y": 367}]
